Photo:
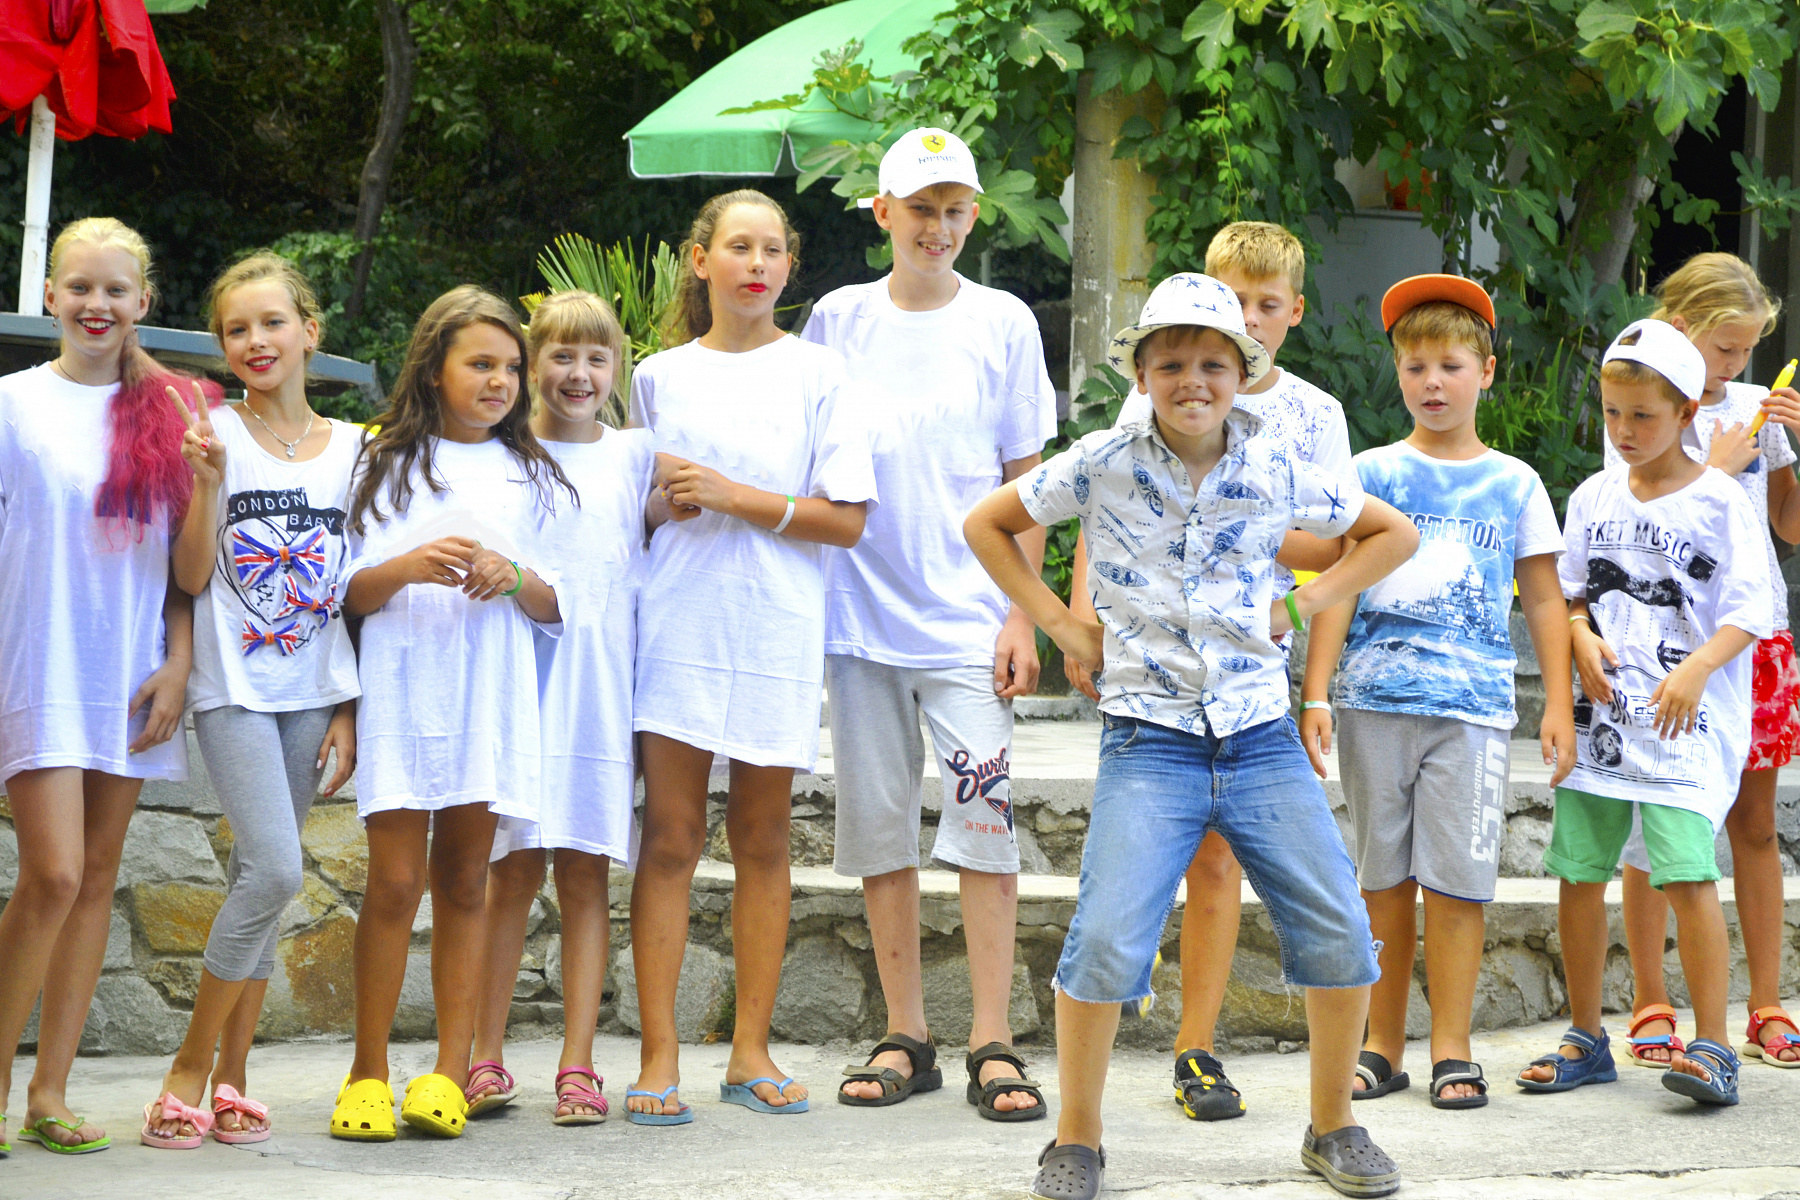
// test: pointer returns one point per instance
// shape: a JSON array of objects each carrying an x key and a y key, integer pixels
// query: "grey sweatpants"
[{"x": 263, "y": 766}]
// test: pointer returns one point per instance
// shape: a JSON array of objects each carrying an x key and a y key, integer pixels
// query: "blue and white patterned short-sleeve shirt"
[{"x": 1182, "y": 586}]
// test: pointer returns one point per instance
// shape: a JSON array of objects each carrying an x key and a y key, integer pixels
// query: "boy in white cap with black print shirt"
[
  {"x": 1668, "y": 586},
  {"x": 952, "y": 383},
  {"x": 1184, "y": 514}
]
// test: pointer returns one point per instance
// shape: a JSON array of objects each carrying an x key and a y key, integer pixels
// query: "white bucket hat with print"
[{"x": 1190, "y": 298}]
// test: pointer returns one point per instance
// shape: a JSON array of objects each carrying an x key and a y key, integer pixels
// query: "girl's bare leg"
[
  {"x": 581, "y": 893},
  {"x": 462, "y": 838},
  {"x": 756, "y": 823},
  {"x": 397, "y": 841},
  {"x": 512, "y": 884}
]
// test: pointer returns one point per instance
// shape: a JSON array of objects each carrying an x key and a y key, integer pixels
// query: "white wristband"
[
  {"x": 785, "y": 517},
  {"x": 1309, "y": 704}
]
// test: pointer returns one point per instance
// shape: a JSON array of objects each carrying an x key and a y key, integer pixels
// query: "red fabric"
[
  {"x": 1775, "y": 689},
  {"x": 95, "y": 61}
]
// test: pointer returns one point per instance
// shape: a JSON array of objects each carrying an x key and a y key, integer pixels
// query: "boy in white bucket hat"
[
  {"x": 1184, "y": 514},
  {"x": 950, "y": 378}
]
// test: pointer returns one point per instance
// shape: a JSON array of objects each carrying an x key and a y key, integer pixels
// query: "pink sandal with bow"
[
  {"x": 227, "y": 1099},
  {"x": 170, "y": 1108}
]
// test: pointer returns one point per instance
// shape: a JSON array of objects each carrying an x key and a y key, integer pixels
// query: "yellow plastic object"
[{"x": 1782, "y": 380}]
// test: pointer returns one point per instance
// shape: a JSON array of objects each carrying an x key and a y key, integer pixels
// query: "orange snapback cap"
[{"x": 1411, "y": 292}]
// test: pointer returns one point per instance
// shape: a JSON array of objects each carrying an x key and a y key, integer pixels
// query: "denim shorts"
[{"x": 1157, "y": 793}]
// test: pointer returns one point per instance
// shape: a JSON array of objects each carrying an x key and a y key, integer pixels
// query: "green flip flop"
[
  {"x": 34, "y": 1132},
  {"x": 5, "y": 1147}
]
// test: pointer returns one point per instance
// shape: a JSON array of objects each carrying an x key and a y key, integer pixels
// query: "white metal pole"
[{"x": 37, "y": 209}]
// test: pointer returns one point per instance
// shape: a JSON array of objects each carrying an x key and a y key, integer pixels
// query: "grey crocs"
[
  {"x": 1350, "y": 1161},
  {"x": 1068, "y": 1173}
]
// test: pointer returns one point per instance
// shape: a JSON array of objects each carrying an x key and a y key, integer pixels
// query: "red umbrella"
[{"x": 75, "y": 68}]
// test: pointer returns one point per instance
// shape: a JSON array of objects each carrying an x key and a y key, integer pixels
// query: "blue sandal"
[
  {"x": 1721, "y": 1085},
  {"x": 683, "y": 1117},
  {"x": 1594, "y": 1066},
  {"x": 740, "y": 1093}
]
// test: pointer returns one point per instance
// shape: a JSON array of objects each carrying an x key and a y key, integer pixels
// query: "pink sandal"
[
  {"x": 170, "y": 1108},
  {"x": 227, "y": 1099},
  {"x": 488, "y": 1071},
  {"x": 579, "y": 1094}
]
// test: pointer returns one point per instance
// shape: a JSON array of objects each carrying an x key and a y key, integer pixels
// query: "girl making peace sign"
[{"x": 274, "y": 679}]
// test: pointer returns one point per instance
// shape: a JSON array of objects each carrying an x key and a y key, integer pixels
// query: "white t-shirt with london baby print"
[
  {"x": 269, "y": 630},
  {"x": 1661, "y": 577}
]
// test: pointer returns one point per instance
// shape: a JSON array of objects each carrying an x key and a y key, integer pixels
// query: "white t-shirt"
[
  {"x": 81, "y": 600},
  {"x": 948, "y": 396},
  {"x": 1302, "y": 417},
  {"x": 1741, "y": 403},
  {"x": 1660, "y": 579},
  {"x": 269, "y": 630},
  {"x": 584, "y": 677},
  {"x": 731, "y": 619},
  {"x": 449, "y": 712}
]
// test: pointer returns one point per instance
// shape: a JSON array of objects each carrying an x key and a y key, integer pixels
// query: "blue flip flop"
[
  {"x": 683, "y": 1117},
  {"x": 740, "y": 1093},
  {"x": 1594, "y": 1066}
]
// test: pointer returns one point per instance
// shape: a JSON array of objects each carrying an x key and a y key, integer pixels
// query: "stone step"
[{"x": 1052, "y": 771}]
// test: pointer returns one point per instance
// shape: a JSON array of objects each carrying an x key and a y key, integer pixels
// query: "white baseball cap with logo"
[
  {"x": 1190, "y": 298},
  {"x": 921, "y": 158},
  {"x": 1665, "y": 350}
]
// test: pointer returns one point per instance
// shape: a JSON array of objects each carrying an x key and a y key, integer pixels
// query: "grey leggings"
[{"x": 263, "y": 766}]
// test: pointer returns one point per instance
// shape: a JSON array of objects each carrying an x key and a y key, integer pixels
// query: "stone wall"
[{"x": 172, "y": 878}]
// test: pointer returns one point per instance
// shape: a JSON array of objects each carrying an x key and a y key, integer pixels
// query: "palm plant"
[{"x": 639, "y": 289}]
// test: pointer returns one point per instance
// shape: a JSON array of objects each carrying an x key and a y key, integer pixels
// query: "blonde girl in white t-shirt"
[
  {"x": 274, "y": 680},
  {"x": 95, "y": 645},
  {"x": 762, "y": 466},
  {"x": 578, "y": 359},
  {"x": 450, "y": 495}
]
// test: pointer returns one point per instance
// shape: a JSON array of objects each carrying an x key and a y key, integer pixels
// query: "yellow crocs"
[
  {"x": 434, "y": 1104},
  {"x": 364, "y": 1112}
]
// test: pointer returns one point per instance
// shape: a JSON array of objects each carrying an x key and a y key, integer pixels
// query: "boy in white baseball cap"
[
  {"x": 1184, "y": 514},
  {"x": 1668, "y": 586},
  {"x": 950, "y": 377}
]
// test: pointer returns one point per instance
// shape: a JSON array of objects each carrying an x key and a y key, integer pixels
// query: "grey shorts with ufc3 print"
[
  {"x": 878, "y": 756},
  {"x": 1427, "y": 799}
]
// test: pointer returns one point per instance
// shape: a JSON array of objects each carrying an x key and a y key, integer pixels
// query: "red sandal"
[
  {"x": 573, "y": 1093},
  {"x": 485, "y": 1074},
  {"x": 1668, "y": 1041},
  {"x": 1767, "y": 1051}
]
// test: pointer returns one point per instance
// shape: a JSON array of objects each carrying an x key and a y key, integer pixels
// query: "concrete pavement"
[{"x": 1625, "y": 1141}]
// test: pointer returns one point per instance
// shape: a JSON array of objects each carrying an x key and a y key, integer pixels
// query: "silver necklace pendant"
[{"x": 290, "y": 451}]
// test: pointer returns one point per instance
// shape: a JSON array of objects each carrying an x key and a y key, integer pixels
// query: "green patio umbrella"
[{"x": 689, "y": 136}]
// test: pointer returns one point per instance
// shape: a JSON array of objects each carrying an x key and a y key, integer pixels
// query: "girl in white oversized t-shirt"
[
  {"x": 451, "y": 494},
  {"x": 584, "y": 685},
  {"x": 94, "y": 643},
  {"x": 761, "y": 466}
]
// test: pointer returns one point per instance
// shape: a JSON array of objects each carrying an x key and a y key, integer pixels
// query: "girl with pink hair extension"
[{"x": 95, "y": 645}]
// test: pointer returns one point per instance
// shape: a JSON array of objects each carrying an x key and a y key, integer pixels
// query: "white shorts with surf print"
[{"x": 878, "y": 756}]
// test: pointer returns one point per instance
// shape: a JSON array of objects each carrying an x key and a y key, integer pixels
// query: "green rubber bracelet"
[
  {"x": 519, "y": 586},
  {"x": 1293, "y": 610}
]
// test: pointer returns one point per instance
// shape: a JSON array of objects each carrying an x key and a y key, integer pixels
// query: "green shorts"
[{"x": 1589, "y": 831}]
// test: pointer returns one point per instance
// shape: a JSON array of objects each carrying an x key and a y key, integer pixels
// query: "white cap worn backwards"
[
  {"x": 1665, "y": 350},
  {"x": 921, "y": 158}
]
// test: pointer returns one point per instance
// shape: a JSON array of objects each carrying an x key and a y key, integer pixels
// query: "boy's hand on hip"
[
  {"x": 1315, "y": 736},
  {"x": 1016, "y": 663}
]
